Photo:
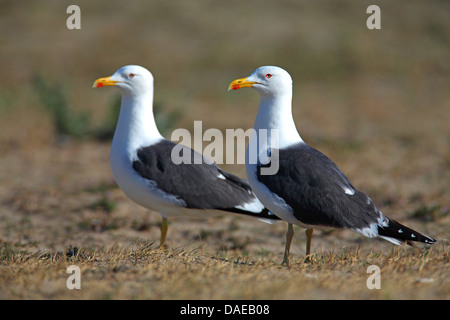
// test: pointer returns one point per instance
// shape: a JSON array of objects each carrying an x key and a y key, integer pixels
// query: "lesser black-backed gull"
[
  {"x": 142, "y": 166},
  {"x": 308, "y": 189}
]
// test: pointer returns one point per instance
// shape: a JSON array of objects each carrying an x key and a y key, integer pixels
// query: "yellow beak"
[
  {"x": 101, "y": 82},
  {"x": 240, "y": 83}
]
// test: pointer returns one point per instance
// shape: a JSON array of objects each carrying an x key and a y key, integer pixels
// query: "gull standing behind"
[{"x": 308, "y": 189}]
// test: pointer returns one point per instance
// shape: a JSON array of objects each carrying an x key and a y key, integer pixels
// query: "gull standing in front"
[
  {"x": 142, "y": 165},
  {"x": 308, "y": 189}
]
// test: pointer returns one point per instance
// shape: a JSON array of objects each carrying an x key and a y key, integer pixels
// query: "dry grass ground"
[
  {"x": 142, "y": 271},
  {"x": 376, "y": 102}
]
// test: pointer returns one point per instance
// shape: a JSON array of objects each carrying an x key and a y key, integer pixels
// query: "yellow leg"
[
  {"x": 287, "y": 248},
  {"x": 308, "y": 233},
  {"x": 164, "y": 228}
]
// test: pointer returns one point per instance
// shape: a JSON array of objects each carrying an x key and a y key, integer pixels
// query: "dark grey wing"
[
  {"x": 200, "y": 186},
  {"x": 318, "y": 191},
  {"x": 320, "y": 194}
]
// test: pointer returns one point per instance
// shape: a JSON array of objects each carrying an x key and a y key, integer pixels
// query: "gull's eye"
[
  {"x": 269, "y": 75},
  {"x": 131, "y": 75}
]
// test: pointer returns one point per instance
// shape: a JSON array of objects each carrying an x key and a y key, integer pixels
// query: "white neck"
[
  {"x": 136, "y": 126},
  {"x": 276, "y": 113}
]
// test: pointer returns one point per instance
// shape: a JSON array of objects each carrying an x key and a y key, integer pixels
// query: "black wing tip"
[
  {"x": 429, "y": 240},
  {"x": 263, "y": 214},
  {"x": 400, "y": 232},
  {"x": 267, "y": 214}
]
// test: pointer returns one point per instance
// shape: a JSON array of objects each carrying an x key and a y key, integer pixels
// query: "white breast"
[{"x": 142, "y": 191}]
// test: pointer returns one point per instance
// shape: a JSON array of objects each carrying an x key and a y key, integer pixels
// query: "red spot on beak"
[
  {"x": 99, "y": 85},
  {"x": 235, "y": 87}
]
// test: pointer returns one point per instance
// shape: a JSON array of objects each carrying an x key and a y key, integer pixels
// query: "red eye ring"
[
  {"x": 269, "y": 75},
  {"x": 131, "y": 75}
]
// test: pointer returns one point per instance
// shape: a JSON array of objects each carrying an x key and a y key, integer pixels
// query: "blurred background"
[{"x": 375, "y": 101}]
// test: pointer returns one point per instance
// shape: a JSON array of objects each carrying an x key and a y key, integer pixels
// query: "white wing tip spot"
[
  {"x": 349, "y": 191},
  {"x": 221, "y": 176}
]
